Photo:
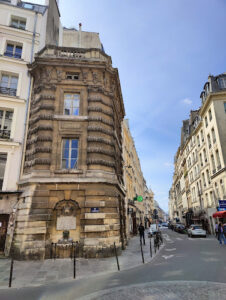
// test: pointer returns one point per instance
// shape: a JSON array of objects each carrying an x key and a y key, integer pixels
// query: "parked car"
[
  {"x": 178, "y": 227},
  {"x": 181, "y": 228},
  {"x": 165, "y": 224},
  {"x": 152, "y": 230},
  {"x": 196, "y": 230}
]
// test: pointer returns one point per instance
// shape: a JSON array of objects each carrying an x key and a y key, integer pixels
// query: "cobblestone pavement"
[
  {"x": 183, "y": 290},
  {"x": 36, "y": 273}
]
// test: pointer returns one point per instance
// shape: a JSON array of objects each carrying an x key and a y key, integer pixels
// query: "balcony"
[
  {"x": 7, "y": 91},
  {"x": 4, "y": 134}
]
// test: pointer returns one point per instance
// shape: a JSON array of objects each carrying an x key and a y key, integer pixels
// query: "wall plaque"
[{"x": 66, "y": 223}]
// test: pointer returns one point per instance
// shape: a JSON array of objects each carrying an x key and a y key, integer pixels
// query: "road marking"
[
  {"x": 179, "y": 239},
  {"x": 173, "y": 249},
  {"x": 167, "y": 256}
]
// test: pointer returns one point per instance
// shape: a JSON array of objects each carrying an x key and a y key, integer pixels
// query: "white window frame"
[{"x": 70, "y": 151}]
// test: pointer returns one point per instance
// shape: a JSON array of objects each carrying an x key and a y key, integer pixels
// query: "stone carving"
[
  {"x": 66, "y": 208},
  {"x": 66, "y": 223},
  {"x": 59, "y": 75}
]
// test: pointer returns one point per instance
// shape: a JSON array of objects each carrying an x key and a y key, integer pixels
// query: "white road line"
[
  {"x": 167, "y": 256},
  {"x": 179, "y": 239},
  {"x": 173, "y": 249}
]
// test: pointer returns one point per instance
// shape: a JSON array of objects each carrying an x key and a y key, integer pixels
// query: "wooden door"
[{"x": 4, "y": 219}]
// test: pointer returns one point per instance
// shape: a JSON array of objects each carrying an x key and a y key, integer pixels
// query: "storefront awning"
[{"x": 220, "y": 214}]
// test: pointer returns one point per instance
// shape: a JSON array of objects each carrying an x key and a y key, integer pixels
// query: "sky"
[{"x": 164, "y": 50}]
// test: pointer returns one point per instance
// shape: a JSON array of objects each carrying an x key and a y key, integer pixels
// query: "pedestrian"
[
  {"x": 141, "y": 233},
  {"x": 221, "y": 234},
  {"x": 216, "y": 230}
]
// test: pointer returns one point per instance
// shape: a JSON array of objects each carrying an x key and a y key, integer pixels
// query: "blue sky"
[{"x": 164, "y": 50}]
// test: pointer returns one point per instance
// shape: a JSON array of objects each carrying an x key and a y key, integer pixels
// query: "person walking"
[
  {"x": 221, "y": 234},
  {"x": 216, "y": 230},
  {"x": 141, "y": 233}
]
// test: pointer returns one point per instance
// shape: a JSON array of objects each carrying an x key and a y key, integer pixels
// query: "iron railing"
[{"x": 7, "y": 91}]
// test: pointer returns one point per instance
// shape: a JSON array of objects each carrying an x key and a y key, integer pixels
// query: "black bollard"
[
  {"x": 72, "y": 247},
  {"x": 141, "y": 249},
  {"x": 150, "y": 248},
  {"x": 74, "y": 262},
  {"x": 11, "y": 273},
  {"x": 51, "y": 251},
  {"x": 55, "y": 251},
  {"x": 116, "y": 257}
]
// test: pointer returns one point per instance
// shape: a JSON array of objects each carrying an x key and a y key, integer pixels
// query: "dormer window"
[{"x": 222, "y": 82}]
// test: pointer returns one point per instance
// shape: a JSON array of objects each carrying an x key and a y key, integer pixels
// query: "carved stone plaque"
[{"x": 66, "y": 223}]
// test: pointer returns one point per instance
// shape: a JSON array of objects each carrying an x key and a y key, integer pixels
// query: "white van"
[{"x": 152, "y": 229}]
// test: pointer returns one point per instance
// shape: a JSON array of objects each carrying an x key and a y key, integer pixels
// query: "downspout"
[{"x": 28, "y": 96}]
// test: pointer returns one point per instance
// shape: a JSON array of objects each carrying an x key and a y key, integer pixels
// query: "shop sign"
[{"x": 221, "y": 209}]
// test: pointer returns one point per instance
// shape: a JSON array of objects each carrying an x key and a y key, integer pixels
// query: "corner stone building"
[{"x": 72, "y": 171}]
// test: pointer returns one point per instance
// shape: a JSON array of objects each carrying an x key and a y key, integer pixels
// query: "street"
[{"x": 186, "y": 268}]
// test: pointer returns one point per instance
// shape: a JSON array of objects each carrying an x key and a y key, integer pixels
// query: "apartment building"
[
  {"x": 203, "y": 145},
  {"x": 23, "y": 32},
  {"x": 135, "y": 185}
]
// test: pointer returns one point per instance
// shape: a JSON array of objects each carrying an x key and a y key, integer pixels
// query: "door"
[{"x": 4, "y": 219}]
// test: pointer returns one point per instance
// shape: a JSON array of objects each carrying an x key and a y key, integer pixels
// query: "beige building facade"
[{"x": 202, "y": 155}]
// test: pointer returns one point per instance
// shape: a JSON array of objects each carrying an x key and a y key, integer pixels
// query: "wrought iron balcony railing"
[
  {"x": 4, "y": 134},
  {"x": 7, "y": 91}
]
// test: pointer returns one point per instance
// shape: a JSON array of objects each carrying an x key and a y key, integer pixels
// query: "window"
[
  {"x": 209, "y": 140},
  {"x": 202, "y": 136},
  {"x": 3, "y": 158},
  {"x": 210, "y": 115},
  {"x": 217, "y": 191},
  {"x": 222, "y": 83},
  {"x": 71, "y": 104},
  {"x": 5, "y": 123},
  {"x": 224, "y": 106},
  {"x": 198, "y": 141},
  {"x": 203, "y": 179},
  {"x": 213, "y": 164},
  {"x": 72, "y": 76},
  {"x": 208, "y": 176},
  {"x": 8, "y": 84},
  {"x": 69, "y": 153},
  {"x": 218, "y": 160},
  {"x": 18, "y": 23},
  {"x": 13, "y": 50},
  {"x": 223, "y": 189},
  {"x": 206, "y": 121},
  {"x": 200, "y": 156},
  {"x": 211, "y": 198},
  {"x": 213, "y": 135},
  {"x": 204, "y": 155}
]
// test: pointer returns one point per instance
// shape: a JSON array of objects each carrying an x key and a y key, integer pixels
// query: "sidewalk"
[{"x": 36, "y": 273}]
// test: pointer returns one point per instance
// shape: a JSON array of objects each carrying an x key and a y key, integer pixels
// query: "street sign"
[
  {"x": 94, "y": 209},
  {"x": 139, "y": 198},
  {"x": 222, "y": 203}
]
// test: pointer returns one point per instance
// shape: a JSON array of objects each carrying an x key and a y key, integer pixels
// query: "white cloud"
[{"x": 187, "y": 101}]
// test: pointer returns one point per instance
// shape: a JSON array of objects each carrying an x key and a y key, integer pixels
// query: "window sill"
[
  {"x": 70, "y": 118},
  {"x": 68, "y": 171}
]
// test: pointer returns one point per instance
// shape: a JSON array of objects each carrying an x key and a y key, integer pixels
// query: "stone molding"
[
  {"x": 101, "y": 129},
  {"x": 101, "y": 162},
  {"x": 100, "y": 140},
  {"x": 37, "y": 161},
  {"x": 99, "y": 100},
  {"x": 39, "y": 139},
  {"x": 100, "y": 110},
  {"x": 100, "y": 119},
  {"x": 43, "y": 97},
  {"x": 40, "y": 117},
  {"x": 39, "y": 128},
  {"x": 101, "y": 151}
]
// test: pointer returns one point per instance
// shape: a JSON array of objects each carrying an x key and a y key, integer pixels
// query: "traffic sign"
[
  {"x": 94, "y": 209},
  {"x": 222, "y": 203}
]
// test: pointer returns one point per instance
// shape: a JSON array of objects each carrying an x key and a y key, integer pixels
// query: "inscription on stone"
[{"x": 66, "y": 223}]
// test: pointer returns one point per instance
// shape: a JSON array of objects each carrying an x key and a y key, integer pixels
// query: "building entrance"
[{"x": 4, "y": 219}]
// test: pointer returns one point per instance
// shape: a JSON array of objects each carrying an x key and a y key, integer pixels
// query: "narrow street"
[{"x": 184, "y": 264}]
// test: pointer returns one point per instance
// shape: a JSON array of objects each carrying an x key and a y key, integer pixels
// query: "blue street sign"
[
  {"x": 222, "y": 203},
  {"x": 94, "y": 209}
]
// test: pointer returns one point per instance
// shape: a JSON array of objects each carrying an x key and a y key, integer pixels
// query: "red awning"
[{"x": 220, "y": 214}]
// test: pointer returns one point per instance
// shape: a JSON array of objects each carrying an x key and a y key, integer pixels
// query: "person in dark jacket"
[
  {"x": 141, "y": 233},
  {"x": 221, "y": 234}
]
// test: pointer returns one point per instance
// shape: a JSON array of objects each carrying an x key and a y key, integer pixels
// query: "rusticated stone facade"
[{"x": 87, "y": 201}]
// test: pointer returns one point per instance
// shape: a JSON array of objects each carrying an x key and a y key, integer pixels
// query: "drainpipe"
[{"x": 28, "y": 96}]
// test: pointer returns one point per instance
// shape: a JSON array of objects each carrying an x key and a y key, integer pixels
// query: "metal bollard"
[
  {"x": 72, "y": 247},
  {"x": 11, "y": 273},
  {"x": 141, "y": 249},
  {"x": 51, "y": 251},
  {"x": 150, "y": 248},
  {"x": 55, "y": 251},
  {"x": 74, "y": 262},
  {"x": 116, "y": 257}
]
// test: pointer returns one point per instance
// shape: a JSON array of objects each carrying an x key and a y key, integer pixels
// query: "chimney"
[{"x": 80, "y": 36}]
